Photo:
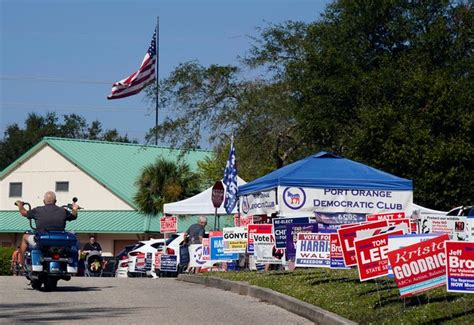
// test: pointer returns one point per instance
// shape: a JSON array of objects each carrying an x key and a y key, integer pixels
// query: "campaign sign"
[
  {"x": 458, "y": 228},
  {"x": 235, "y": 239},
  {"x": 148, "y": 261},
  {"x": 217, "y": 250},
  {"x": 158, "y": 260},
  {"x": 168, "y": 225},
  {"x": 206, "y": 255},
  {"x": 361, "y": 234},
  {"x": 264, "y": 248},
  {"x": 256, "y": 229},
  {"x": 292, "y": 231},
  {"x": 419, "y": 267},
  {"x": 169, "y": 263},
  {"x": 336, "y": 259},
  {"x": 313, "y": 250},
  {"x": 241, "y": 221},
  {"x": 140, "y": 262},
  {"x": 347, "y": 236},
  {"x": 460, "y": 266},
  {"x": 195, "y": 257},
  {"x": 386, "y": 216},
  {"x": 332, "y": 218},
  {"x": 371, "y": 253},
  {"x": 279, "y": 229}
]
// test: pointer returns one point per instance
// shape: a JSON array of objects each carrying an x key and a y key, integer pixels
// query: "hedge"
[{"x": 5, "y": 260}]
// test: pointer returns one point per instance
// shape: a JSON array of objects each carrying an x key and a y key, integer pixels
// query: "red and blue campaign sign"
[
  {"x": 347, "y": 236},
  {"x": 279, "y": 229},
  {"x": 312, "y": 250},
  {"x": 460, "y": 266},
  {"x": 419, "y": 267},
  {"x": 371, "y": 253},
  {"x": 256, "y": 229},
  {"x": 336, "y": 258},
  {"x": 292, "y": 231}
]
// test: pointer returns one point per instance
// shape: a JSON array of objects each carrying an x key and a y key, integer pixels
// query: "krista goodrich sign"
[
  {"x": 419, "y": 267},
  {"x": 299, "y": 200}
]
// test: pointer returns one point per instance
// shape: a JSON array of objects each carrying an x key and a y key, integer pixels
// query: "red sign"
[
  {"x": 256, "y": 229},
  {"x": 206, "y": 254},
  {"x": 335, "y": 255},
  {"x": 243, "y": 220},
  {"x": 412, "y": 226},
  {"x": 419, "y": 267},
  {"x": 158, "y": 260},
  {"x": 217, "y": 195},
  {"x": 386, "y": 216},
  {"x": 215, "y": 233},
  {"x": 168, "y": 224},
  {"x": 460, "y": 266},
  {"x": 347, "y": 236},
  {"x": 371, "y": 253}
]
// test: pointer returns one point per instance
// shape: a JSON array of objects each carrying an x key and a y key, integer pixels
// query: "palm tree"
[{"x": 163, "y": 182}]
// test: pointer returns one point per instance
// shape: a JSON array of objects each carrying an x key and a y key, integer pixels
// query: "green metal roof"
[
  {"x": 116, "y": 166},
  {"x": 124, "y": 222}
]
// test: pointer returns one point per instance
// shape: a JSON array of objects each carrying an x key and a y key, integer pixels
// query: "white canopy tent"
[{"x": 200, "y": 204}]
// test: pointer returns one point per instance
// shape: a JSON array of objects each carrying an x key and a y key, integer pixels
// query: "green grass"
[{"x": 371, "y": 302}]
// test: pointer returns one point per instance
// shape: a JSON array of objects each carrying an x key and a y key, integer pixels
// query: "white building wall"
[{"x": 40, "y": 173}]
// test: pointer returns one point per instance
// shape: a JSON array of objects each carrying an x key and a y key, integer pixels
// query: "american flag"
[
  {"x": 133, "y": 84},
  {"x": 230, "y": 181}
]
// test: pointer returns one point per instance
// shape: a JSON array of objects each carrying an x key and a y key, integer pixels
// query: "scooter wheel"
[{"x": 36, "y": 284}]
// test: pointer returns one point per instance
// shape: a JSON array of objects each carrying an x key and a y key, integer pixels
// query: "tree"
[
  {"x": 163, "y": 182},
  {"x": 17, "y": 141}
]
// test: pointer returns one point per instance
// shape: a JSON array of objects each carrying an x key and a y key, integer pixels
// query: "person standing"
[
  {"x": 194, "y": 235},
  {"x": 92, "y": 245}
]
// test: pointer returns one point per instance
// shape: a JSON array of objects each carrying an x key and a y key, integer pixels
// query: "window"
[
  {"x": 62, "y": 186},
  {"x": 15, "y": 189}
]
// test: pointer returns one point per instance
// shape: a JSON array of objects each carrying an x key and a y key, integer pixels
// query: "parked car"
[
  {"x": 137, "y": 257},
  {"x": 121, "y": 264},
  {"x": 464, "y": 210},
  {"x": 172, "y": 247}
]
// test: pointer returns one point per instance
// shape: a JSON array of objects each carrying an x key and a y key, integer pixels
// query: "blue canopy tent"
[
  {"x": 329, "y": 184},
  {"x": 326, "y": 170}
]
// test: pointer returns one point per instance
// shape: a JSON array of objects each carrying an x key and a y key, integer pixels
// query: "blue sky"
[{"x": 63, "y": 55}]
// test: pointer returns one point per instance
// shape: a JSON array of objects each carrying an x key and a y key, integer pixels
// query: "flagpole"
[{"x": 157, "y": 69}]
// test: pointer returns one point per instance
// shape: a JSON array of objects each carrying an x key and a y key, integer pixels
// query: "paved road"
[{"x": 133, "y": 301}]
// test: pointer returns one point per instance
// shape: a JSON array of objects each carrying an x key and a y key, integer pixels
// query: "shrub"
[{"x": 5, "y": 260}]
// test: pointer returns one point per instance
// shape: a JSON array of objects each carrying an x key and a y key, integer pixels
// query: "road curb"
[{"x": 293, "y": 305}]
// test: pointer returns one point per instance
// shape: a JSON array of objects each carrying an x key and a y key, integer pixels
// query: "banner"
[
  {"x": 235, "y": 239},
  {"x": 460, "y": 266},
  {"x": 312, "y": 250},
  {"x": 458, "y": 228},
  {"x": 217, "y": 250},
  {"x": 299, "y": 201},
  {"x": 256, "y": 229},
  {"x": 336, "y": 259},
  {"x": 169, "y": 263},
  {"x": 347, "y": 236},
  {"x": 279, "y": 229},
  {"x": 265, "y": 251},
  {"x": 258, "y": 203},
  {"x": 419, "y": 267},
  {"x": 339, "y": 218},
  {"x": 168, "y": 225},
  {"x": 195, "y": 257},
  {"x": 371, "y": 253},
  {"x": 292, "y": 231}
]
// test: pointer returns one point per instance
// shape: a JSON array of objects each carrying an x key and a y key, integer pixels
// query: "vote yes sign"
[
  {"x": 347, "y": 236},
  {"x": 371, "y": 253}
]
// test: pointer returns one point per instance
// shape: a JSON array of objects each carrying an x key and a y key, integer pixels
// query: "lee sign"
[
  {"x": 460, "y": 266},
  {"x": 347, "y": 236},
  {"x": 168, "y": 225},
  {"x": 371, "y": 253},
  {"x": 419, "y": 267}
]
